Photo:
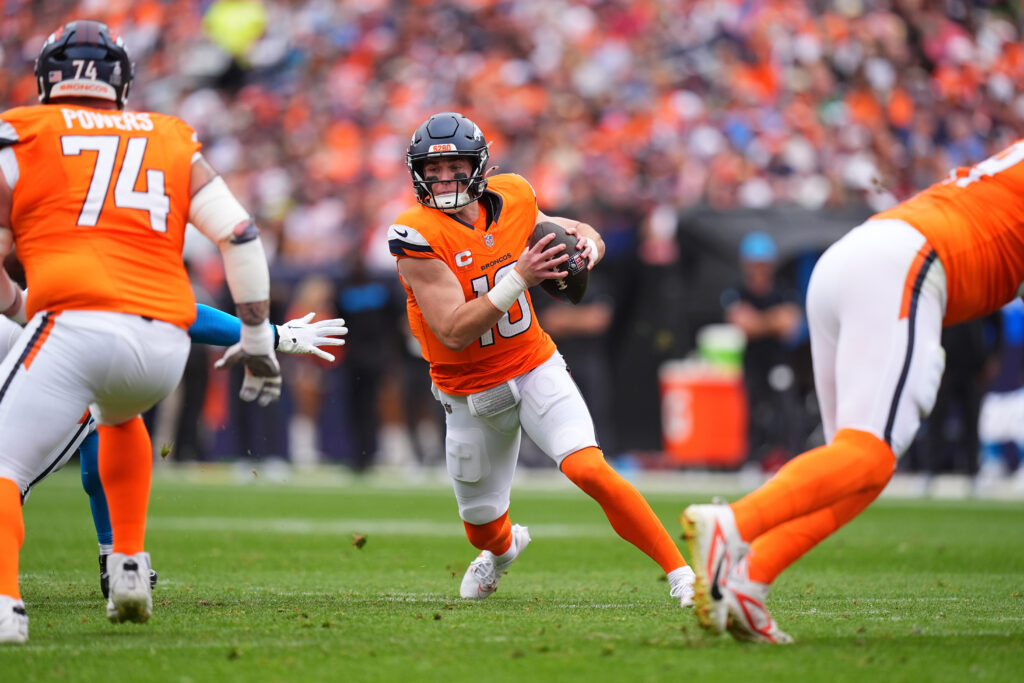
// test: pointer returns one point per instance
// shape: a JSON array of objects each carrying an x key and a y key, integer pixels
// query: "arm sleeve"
[{"x": 217, "y": 328}]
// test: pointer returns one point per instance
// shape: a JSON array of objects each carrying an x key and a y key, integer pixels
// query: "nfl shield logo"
[{"x": 489, "y": 240}]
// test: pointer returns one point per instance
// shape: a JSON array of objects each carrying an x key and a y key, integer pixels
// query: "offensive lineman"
[
  {"x": 213, "y": 327},
  {"x": 876, "y": 304},
  {"x": 462, "y": 259},
  {"x": 96, "y": 200}
]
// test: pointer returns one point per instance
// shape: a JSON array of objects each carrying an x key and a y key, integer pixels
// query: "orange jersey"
[
  {"x": 975, "y": 222},
  {"x": 99, "y": 207},
  {"x": 477, "y": 254}
]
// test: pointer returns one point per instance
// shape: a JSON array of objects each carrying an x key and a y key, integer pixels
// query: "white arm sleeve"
[
  {"x": 217, "y": 213},
  {"x": 245, "y": 268}
]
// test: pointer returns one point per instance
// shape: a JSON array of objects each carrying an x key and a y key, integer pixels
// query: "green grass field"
[{"x": 263, "y": 583}]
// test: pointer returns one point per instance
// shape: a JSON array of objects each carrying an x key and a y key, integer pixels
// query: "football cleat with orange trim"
[
  {"x": 715, "y": 548},
  {"x": 749, "y": 619}
]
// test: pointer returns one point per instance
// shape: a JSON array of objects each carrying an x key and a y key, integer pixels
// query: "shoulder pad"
[
  {"x": 8, "y": 135},
  {"x": 402, "y": 240}
]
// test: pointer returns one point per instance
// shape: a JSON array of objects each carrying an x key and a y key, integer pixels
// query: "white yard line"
[{"x": 350, "y": 525}]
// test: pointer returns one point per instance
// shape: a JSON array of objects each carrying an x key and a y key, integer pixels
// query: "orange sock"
[
  {"x": 630, "y": 515},
  {"x": 494, "y": 536},
  {"x": 854, "y": 462},
  {"x": 126, "y": 470},
  {"x": 776, "y": 549},
  {"x": 12, "y": 534}
]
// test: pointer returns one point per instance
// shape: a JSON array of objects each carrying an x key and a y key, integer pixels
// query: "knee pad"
[{"x": 483, "y": 510}]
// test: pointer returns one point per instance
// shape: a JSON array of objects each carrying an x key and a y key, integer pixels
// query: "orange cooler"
[{"x": 703, "y": 415}]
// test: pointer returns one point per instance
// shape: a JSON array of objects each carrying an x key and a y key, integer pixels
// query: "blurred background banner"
[{"x": 676, "y": 128}]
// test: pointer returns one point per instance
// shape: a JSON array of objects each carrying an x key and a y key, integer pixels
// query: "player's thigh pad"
[
  {"x": 480, "y": 455},
  {"x": 875, "y": 315},
  {"x": 44, "y": 393},
  {"x": 552, "y": 410}
]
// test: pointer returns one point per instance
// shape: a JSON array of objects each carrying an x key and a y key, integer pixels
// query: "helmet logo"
[
  {"x": 54, "y": 76},
  {"x": 447, "y": 147}
]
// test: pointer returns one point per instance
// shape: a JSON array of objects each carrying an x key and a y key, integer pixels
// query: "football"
[{"x": 572, "y": 287}]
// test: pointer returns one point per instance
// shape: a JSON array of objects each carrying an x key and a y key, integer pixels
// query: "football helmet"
[
  {"x": 84, "y": 59},
  {"x": 448, "y": 134}
]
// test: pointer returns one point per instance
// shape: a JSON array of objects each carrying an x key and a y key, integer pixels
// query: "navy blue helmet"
[
  {"x": 448, "y": 134},
  {"x": 84, "y": 59}
]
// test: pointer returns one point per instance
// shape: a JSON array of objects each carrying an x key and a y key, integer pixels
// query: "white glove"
[{"x": 301, "y": 336}]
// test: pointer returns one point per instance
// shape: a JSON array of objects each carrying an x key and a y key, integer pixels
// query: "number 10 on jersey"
[{"x": 506, "y": 328}]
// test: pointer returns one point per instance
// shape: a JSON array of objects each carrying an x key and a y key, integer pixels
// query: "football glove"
[
  {"x": 262, "y": 382},
  {"x": 302, "y": 336},
  {"x": 263, "y": 390}
]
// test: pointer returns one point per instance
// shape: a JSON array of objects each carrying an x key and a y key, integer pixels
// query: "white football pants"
[
  {"x": 10, "y": 332},
  {"x": 481, "y": 453},
  {"x": 875, "y": 309},
  {"x": 114, "y": 364}
]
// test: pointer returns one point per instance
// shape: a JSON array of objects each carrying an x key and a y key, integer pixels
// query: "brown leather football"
[{"x": 572, "y": 287}]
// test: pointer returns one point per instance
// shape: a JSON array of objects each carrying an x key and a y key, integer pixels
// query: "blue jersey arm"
[{"x": 217, "y": 328}]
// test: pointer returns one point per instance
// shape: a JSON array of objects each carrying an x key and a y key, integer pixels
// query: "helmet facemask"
[
  {"x": 448, "y": 135},
  {"x": 469, "y": 187}
]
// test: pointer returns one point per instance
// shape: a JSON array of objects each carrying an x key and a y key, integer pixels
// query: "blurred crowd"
[{"x": 623, "y": 113}]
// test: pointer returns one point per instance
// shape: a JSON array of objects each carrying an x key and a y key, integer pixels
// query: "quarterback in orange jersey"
[
  {"x": 876, "y": 304},
  {"x": 463, "y": 258},
  {"x": 95, "y": 199}
]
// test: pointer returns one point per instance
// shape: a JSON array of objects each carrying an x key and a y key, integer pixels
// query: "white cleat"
[
  {"x": 749, "y": 619},
  {"x": 13, "y": 620},
  {"x": 680, "y": 586},
  {"x": 131, "y": 596},
  {"x": 715, "y": 548},
  {"x": 482, "y": 576}
]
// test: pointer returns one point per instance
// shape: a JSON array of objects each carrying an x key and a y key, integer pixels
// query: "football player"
[
  {"x": 876, "y": 305},
  {"x": 213, "y": 327},
  {"x": 463, "y": 258},
  {"x": 96, "y": 198}
]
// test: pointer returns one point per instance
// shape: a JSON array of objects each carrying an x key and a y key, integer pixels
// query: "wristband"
[
  {"x": 257, "y": 340},
  {"x": 507, "y": 290},
  {"x": 593, "y": 250}
]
